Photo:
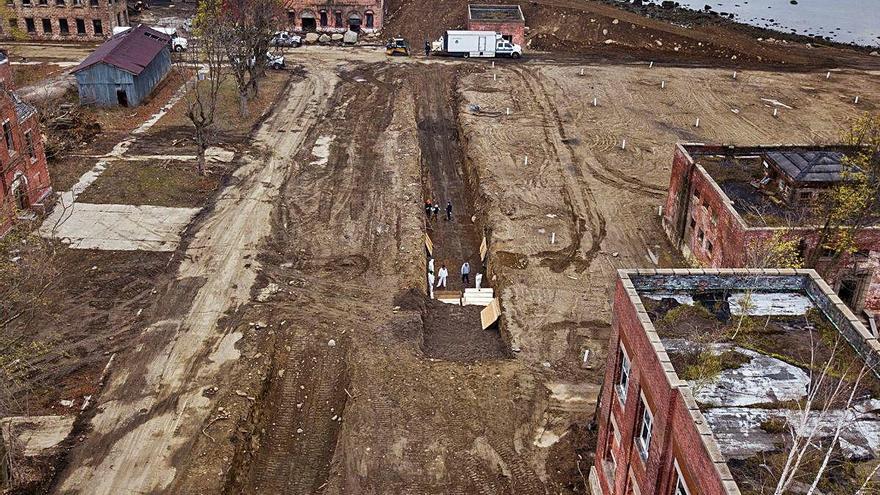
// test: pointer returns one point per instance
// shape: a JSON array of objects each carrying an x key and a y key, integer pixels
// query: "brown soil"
[
  {"x": 65, "y": 335},
  {"x": 396, "y": 403},
  {"x": 583, "y": 28}
]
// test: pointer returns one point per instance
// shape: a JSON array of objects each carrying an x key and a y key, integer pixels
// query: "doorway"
[
  {"x": 354, "y": 23},
  {"x": 309, "y": 23},
  {"x": 122, "y": 97},
  {"x": 851, "y": 291},
  {"x": 19, "y": 190}
]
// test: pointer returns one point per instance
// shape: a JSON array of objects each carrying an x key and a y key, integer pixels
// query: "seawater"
[{"x": 845, "y": 21}]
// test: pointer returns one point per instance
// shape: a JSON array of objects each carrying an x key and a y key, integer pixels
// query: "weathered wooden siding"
[{"x": 98, "y": 84}]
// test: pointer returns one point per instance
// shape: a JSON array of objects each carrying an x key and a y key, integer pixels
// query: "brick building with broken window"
[
  {"x": 24, "y": 175},
  {"x": 86, "y": 20},
  {"x": 670, "y": 424},
  {"x": 335, "y": 16},
  {"x": 507, "y": 20},
  {"x": 725, "y": 205}
]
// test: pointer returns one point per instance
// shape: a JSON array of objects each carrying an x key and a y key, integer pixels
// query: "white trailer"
[{"x": 486, "y": 44}]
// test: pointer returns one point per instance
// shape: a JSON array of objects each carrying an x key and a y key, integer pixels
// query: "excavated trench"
[{"x": 451, "y": 332}]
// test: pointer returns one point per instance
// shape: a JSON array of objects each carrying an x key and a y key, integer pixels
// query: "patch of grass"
[
  {"x": 707, "y": 365},
  {"x": 26, "y": 75},
  {"x": 228, "y": 121},
  {"x": 774, "y": 425},
  {"x": 158, "y": 183},
  {"x": 684, "y": 311}
]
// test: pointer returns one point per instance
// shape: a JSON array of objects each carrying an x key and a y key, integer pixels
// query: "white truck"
[
  {"x": 466, "y": 44},
  {"x": 178, "y": 43}
]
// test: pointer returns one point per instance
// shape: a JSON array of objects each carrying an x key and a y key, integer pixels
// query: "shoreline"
[{"x": 687, "y": 17}]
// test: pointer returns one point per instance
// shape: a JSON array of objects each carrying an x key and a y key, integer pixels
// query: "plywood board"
[
  {"x": 484, "y": 249},
  {"x": 490, "y": 314},
  {"x": 429, "y": 245}
]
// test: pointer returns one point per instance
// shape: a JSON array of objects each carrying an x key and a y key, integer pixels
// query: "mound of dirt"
[{"x": 585, "y": 27}]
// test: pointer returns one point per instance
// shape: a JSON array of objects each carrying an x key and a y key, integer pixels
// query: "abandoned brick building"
[
  {"x": 668, "y": 426},
  {"x": 725, "y": 205},
  {"x": 505, "y": 19},
  {"x": 63, "y": 19},
  {"x": 335, "y": 16},
  {"x": 24, "y": 176}
]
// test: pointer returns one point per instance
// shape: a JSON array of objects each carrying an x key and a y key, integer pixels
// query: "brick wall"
[
  {"x": 23, "y": 166},
  {"x": 296, "y": 8},
  {"x": 516, "y": 29},
  {"x": 48, "y": 19},
  {"x": 675, "y": 436},
  {"x": 695, "y": 204}
]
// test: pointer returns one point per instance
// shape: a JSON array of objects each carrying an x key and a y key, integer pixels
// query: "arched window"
[
  {"x": 323, "y": 18},
  {"x": 368, "y": 19},
  {"x": 337, "y": 19}
]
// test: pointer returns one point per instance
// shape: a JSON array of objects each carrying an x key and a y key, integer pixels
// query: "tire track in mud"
[
  {"x": 576, "y": 193},
  {"x": 338, "y": 200},
  {"x": 296, "y": 448}
]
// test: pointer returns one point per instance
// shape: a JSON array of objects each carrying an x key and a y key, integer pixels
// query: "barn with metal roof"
[{"x": 125, "y": 69}]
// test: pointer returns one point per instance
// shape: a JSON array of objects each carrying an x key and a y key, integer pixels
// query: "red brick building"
[
  {"x": 661, "y": 435},
  {"x": 24, "y": 176},
  {"x": 335, "y": 16},
  {"x": 726, "y": 203},
  {"x": 63, "y": 19},
  {"x": 507, "y": 20}
]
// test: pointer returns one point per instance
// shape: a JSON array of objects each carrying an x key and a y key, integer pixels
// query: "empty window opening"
[{"x": 624, "y": 372}]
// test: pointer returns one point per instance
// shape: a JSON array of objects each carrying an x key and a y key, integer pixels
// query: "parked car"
[
  {"x": 274, "y": 61},
  {"x": 283, "y": 38}
]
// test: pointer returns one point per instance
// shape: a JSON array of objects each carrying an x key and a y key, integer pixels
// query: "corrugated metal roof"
[
  {"x": 23, "y": 110},
  {"x": 130, "y": 51},
  {"x": 809, "y": 166}
]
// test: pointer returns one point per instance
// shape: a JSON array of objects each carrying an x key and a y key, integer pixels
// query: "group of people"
[
  {"x": 443, "y": 274},
  {"x": 432, "y": 210}
]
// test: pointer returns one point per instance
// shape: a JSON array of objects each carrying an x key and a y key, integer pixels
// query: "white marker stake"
[
  {"x": 526, "y": 162},
  {"x": 582, "y": 71},
  {"x": 651, "y": 65},
  {"x": 623, "y": 144},
  {"x": 698, "y": 123},
  {"x": 828, "y": 75},
  {"x": 662, "y": 84},
  {"x": 553, "y": 238},
  {"x": 856, "y": 101},
  {"x": 734, "y": 74},
  {"x": 507, "y": 111},
  {"x": 494, "y": 77},
  {"x": 775, "y": 112},
  {"x": 595, "y": 102},
  {"x": 493, "y": 64}
]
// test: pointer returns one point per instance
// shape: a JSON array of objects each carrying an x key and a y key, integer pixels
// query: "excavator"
[{"x": 397, "y": 46}]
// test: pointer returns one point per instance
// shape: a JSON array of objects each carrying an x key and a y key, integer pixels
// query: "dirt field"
[
  {"x": 288, "y": 346},
  {"x": 295, "y": 351}
]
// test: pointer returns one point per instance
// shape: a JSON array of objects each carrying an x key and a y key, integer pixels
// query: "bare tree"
[
  {"x": 202, "y": 94},
  {"x": 850, "y": 206},
  {"x": 816, "y": 415},
  {"x": 248, "y": 26}
]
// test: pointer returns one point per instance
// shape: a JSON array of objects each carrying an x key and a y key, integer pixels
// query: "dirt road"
[
  {"x": 154, "y": 407},
  {"x": 301, "y": 296}
]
